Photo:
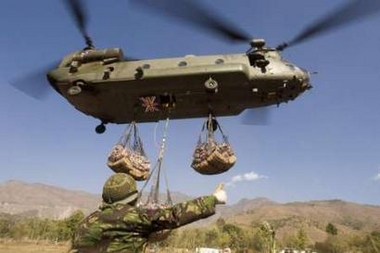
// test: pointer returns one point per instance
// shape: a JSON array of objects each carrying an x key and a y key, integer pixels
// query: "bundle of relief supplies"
[
  {"x": 128, "y": 155},
  {"x": 211, "y": 156}
]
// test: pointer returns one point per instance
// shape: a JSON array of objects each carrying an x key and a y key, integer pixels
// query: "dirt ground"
[
  {"x": 32, "y": 247},
  {"x": 48, "y": 247}
]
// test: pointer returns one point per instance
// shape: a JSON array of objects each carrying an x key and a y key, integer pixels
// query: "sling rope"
[{"x": 153, "y": 197}]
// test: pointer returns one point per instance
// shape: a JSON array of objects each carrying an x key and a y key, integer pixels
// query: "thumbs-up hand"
[{"x": 220, "y": 194}]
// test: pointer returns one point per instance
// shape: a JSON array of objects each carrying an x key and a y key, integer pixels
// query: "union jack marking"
[{"x": 150, "y": 104}]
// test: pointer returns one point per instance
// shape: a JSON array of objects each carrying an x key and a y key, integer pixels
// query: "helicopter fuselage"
[{"x": 102, "y": 84}]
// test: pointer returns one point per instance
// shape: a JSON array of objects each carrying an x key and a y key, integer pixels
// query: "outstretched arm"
[{"x": 183, "y": 213}]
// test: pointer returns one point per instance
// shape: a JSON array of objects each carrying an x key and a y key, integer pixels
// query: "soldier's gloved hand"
[{"x": 220, "y": 194}]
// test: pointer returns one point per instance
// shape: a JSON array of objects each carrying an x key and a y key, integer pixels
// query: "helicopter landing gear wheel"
[
  {"x": 100, "y": 128},
  {"x": 74, "y": 90},
  {"x": 211, "y": 85}
]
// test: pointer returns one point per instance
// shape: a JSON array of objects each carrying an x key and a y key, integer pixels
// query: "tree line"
[
  {"x": 252, "y": 238},
  {"x": 255, "y": 238},
  {"x": 35, "y": 228}
]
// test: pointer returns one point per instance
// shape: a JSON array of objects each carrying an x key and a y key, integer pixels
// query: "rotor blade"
[
  {"x": 78, "y": 11},
  {"x": 354, "y": 10},
  {"x": 34, "y": 84},
  {"x": 256, "y": 116},
  {"x": 130, "y": 58},
  {"x": 189, "y": 11}
]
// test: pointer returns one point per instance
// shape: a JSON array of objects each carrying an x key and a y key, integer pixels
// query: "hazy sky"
[{"x": 323, "y": 145}]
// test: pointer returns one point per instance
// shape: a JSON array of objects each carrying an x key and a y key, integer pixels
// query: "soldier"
[{"x": 121, "y": 227}]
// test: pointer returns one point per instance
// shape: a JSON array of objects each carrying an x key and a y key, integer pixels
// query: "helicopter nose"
[{"x": 305, "y": 80}]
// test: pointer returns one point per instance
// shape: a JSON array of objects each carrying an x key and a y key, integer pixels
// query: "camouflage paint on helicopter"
[
  {"x": 105, "y": 85},
  {"x": 101, "y": 84}
]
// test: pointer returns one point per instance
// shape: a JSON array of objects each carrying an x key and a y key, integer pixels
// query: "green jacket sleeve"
[{"x": 183, "y": 213}]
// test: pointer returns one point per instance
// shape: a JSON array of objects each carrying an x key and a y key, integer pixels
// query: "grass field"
[
  {"x": 32, "y": 247},
  {"x": 48, "y": 247}
]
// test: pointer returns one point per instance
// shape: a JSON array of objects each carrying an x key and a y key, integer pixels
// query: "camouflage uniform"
[{"x": 125, "y": 228}]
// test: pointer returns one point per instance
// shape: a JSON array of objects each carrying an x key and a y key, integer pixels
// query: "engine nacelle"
[{"x": 91, "y": 55}]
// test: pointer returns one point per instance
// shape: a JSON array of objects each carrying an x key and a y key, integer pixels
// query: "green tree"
[
  {"x": 211, "y": 236},
  {"x": 220, "y": 222},
  {"x": 301, "y": 239},
  {"x": 5, "y": 227},
  {"x": 72, "y": 222},
  {"x": 331, "y": 229},
  {"x": 192, "y": 238},
  {"x": 333, "y": 244},
  {"x": 298, "y": 240},
  {"x": 20, "y": 230},
  {"x": 235, "y": 235},
  {"x": 260, "y": 241},
  {"x": 371, "y": 243}
]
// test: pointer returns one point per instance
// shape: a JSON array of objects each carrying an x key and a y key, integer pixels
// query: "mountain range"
[
  {"x": 40, "y": 200},
  {"x": 46, "y": 201}
]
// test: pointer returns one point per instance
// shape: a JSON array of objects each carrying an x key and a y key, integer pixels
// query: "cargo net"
[
  {"x": 128, "y": 155},
  {"x": 153, "y": 200},
  {"x": 211, "y": 157}
]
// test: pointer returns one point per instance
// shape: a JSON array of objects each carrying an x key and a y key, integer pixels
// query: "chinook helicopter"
[{"x": 104, "y": 84}]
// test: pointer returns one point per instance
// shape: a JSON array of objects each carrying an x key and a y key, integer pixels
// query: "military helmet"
[{"x": 118, "y": 187}]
